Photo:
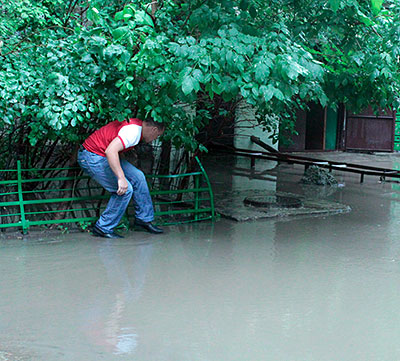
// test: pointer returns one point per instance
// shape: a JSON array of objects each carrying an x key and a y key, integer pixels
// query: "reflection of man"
[
  {"x": 99, "y": 157},
  {"x": 108, "y": 319}
]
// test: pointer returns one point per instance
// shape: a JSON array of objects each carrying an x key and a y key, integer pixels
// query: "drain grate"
[{"x": 273, "y": 202}]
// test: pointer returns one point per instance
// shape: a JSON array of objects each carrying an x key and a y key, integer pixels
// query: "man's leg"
[
  {"x": 114, "y": 211},
  {"x": 144, "y": 210},
  {"x": 98, "y": 168}
]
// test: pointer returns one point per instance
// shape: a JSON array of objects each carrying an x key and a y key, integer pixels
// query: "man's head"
[{"x": 152, "y": 130}]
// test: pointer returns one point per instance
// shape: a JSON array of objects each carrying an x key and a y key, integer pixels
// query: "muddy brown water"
[{"x": 320, "y": 288}]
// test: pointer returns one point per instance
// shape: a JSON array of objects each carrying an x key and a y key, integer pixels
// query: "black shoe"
[
  {"x": 97, "y": 232},
  {"x": 148, "y": 226}
]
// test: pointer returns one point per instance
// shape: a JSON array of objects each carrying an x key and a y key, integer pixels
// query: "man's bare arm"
[{"x": 113, "y": 160}]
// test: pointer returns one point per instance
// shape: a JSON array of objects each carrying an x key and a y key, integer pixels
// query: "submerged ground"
[{"x": 284, "y": 289}]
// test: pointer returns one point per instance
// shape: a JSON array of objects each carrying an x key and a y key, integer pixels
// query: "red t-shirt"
[{"x": 128, "y": 131}]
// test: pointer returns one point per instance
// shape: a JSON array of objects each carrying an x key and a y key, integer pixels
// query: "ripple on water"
[
  {"x": 64, "y": 251},
  {"x": 14, "y": 356}
]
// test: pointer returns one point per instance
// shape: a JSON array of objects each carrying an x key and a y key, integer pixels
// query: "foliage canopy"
[{"x": 68, "y": 67}]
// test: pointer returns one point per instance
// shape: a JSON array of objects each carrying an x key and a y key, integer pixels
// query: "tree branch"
[{"x": 71, "y": 7}]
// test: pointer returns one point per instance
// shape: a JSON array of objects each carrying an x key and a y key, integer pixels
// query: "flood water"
[{"x": 317, "y": 288}]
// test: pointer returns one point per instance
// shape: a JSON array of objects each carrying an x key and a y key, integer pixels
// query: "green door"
[{"x": 331, "y": 129}]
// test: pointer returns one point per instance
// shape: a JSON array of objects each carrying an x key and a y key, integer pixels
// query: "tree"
[{"x": 69, "y": 67}]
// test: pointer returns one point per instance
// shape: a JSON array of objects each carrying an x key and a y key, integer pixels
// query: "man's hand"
[{"x": 122, "y": 186}]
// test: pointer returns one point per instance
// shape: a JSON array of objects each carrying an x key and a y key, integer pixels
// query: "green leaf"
[
  {"x": 375, "y": 74},
  {"x": 196, "y": 85},
  {"x": 227, "y": 97},
  {"x": 267, "y": 91},
  {"x": 93, "y": 15},
  {"x": 143, "y": 18},
  {"x": 119, "y": 15},
  {"x": 99, "y": 40},
  {"x": 323, "y": 100},
  {"x": 216, "y": 65},
  {"x": 365, "y": 19},
  {"x": 244, "y": 4},
  {"x": 335, "y": 4},
  {"x": 120, "y": 32},
  {"x": 188, "y": 85},
  {"x": 376, "y": 6},
  {"x": 128, "y": 12},
  {"x": 252, "y": 11},
  {"x": 303, "y": 91},
  {"x": 87, "y": 58},
  {"x": 81, "y": 106},
  {"x": 198, "y": 75},
  {"x": 217, "y": 88},
  {"x": 113, "y": 50},
  {"x": 202, "y": 148},
  {"x": 295, "y": 70},
  {"x": 262, "y": 72},
  {"x": 230, "y": 57},
  {"x": 217, "y": 78},
  {"x": 191, "y": 40}
]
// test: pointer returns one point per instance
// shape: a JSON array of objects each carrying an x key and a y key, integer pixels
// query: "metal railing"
[
  {"x": 360, "y": 169},
  {"x": 29, "y": 198}
]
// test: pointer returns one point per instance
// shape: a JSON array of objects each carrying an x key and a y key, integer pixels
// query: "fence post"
[
  {"x": 196, "y": 196},
  {"x": 25, "y": 225},
  {"x": 209, "y": 186}
]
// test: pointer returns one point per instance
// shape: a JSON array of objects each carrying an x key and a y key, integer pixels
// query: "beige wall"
[{"x": 246, "y": 126}]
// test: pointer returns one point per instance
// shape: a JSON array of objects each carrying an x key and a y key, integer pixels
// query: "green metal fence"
[{"x": 29, "y": 198}]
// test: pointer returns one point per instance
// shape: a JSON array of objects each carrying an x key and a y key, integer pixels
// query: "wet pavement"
[{"x": 284, "y": 288}]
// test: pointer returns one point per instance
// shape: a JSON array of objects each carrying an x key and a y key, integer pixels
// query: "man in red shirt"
[{"x": 99, "y": 157}]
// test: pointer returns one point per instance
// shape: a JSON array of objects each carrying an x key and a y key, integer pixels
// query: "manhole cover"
[{"x": 273, "y": 202}]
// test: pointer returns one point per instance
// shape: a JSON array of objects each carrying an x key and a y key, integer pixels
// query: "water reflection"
[{"x": 105, "y": 319}]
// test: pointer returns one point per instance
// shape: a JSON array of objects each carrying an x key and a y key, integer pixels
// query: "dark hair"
[{"x": 151, "y": 122}]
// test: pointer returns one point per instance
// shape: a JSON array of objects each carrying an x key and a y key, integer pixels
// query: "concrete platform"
[{"x": 230, "y": 205}]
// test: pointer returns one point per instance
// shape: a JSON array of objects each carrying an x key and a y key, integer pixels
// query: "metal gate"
[
  {"x": 369, "y": 132},
  {"x": 18, "y": 208}
]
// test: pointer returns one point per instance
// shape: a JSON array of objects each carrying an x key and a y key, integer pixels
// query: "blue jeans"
[{"x": 98, "y": 168}]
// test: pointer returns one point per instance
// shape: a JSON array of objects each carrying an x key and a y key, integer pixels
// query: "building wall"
[{"x": 246, "y": 126}]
